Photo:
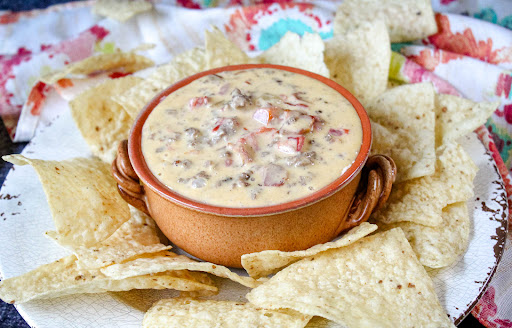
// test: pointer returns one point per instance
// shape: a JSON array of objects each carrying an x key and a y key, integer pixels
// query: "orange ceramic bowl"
[{"x": 222, "y": 235}]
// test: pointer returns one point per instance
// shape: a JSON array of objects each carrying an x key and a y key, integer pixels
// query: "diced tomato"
[
  {"x": 318, "y": 123},
  {"x": 274, "y": 175},
  {"x": 299, "y": 142},
  {"x": 245, "y": 151},
  {"x": 262, "y": 115},
  {"x": 291, "y": 145},
  {"x": 338, "y": 132},
  {"x": 266, "y": 115},
  {"x": 198, "y": 102},
  {"x": 264, "y": 130}
]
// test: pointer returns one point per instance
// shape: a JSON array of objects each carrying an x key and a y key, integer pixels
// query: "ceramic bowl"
[{"x": 222, "y": 235}]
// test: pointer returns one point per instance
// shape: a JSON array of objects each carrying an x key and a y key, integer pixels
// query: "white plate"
[{"x": 26, "y": 217}]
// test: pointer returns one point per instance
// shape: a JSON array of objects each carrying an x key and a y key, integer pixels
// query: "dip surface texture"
[{"x": 251, "y": 138}]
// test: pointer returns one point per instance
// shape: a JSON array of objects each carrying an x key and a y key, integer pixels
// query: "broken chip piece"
[
  {"x": 270, "y": 261},
  {"x": 183, "y": 312},
  {"x": 407, "y": 20}
]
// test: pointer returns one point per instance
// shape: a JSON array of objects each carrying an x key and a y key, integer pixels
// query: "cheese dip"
[{"x": 251, "y": 138}]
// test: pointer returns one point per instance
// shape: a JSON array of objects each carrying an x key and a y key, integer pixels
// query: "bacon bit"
[
  {"x": 248, "y": 82},
  {"x": 197, "y": 102},
  {"x": 228, "y": 162}
]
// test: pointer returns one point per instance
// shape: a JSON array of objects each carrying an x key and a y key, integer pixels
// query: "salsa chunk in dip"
[{"x": 251, "y": 138}]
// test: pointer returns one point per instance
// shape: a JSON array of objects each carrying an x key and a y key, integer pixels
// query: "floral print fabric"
[{"x": 470, "y": 56}]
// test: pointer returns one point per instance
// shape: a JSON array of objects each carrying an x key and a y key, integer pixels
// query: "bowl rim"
[{"x": 148, "y": 179}]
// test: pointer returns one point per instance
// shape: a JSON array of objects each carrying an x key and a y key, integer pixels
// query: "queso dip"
[{"x": 251, "y": 138}]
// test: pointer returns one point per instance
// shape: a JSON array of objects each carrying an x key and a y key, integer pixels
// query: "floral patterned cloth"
[{"x": 471, "y": 55}]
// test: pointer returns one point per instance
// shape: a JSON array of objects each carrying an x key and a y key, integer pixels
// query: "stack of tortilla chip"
[{"x": 111, "y": 241}]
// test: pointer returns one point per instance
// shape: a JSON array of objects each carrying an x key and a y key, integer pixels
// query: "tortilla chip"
[
  {"x": 306, "y": 52},
  {"x": 375, "y": 282},
  {"x": 270, "y": 261},
  {"x": 170, "y": 262},
  {"x": 456, "y": 116},
  {"x": 135, "y": 98},
  {"x": 183, "y": 312},
  {"x": 185, "y": 64},
  {"x": 181, "y": 66},
  {"x": 407, "y": 20},
  {"x": 120, "y": 10},
  {"x": 440, "y": 246},
  {"x": 359, "y": 60},
  {"x": 102, "y": 122},
  {"x": 222, "y": 52},
  {"x": 407, "y": 129},
  {"x": 63, "y": 277},
  {"x": 135, "y": 237},
  {"x": 421, "y": 200},
  {"x": 124, "y": 62},
  {"x": 82, "y": 196}
]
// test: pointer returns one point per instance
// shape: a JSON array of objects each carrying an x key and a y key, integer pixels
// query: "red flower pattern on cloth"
[
  {"x": 503, "y": 85},
  {"x": 487, "y": 309},
  {"x": 80, "y": 47},
  {"x": 430, "y": 58},
  {"x": 12, "y": 101},
  {"x": 9, "y": 18},
  {"x": 505, "y": 113},
  {"x": 416, "y": 73},
  {"x": 9, "y": 110},
  {"x": 245, "y": 28},
  {"x": 466, "y": 44}
]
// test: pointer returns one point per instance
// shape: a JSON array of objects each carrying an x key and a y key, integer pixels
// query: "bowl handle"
[
  {"x": 127, "y": 180},
  {"x": 373, "y": 191}
]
